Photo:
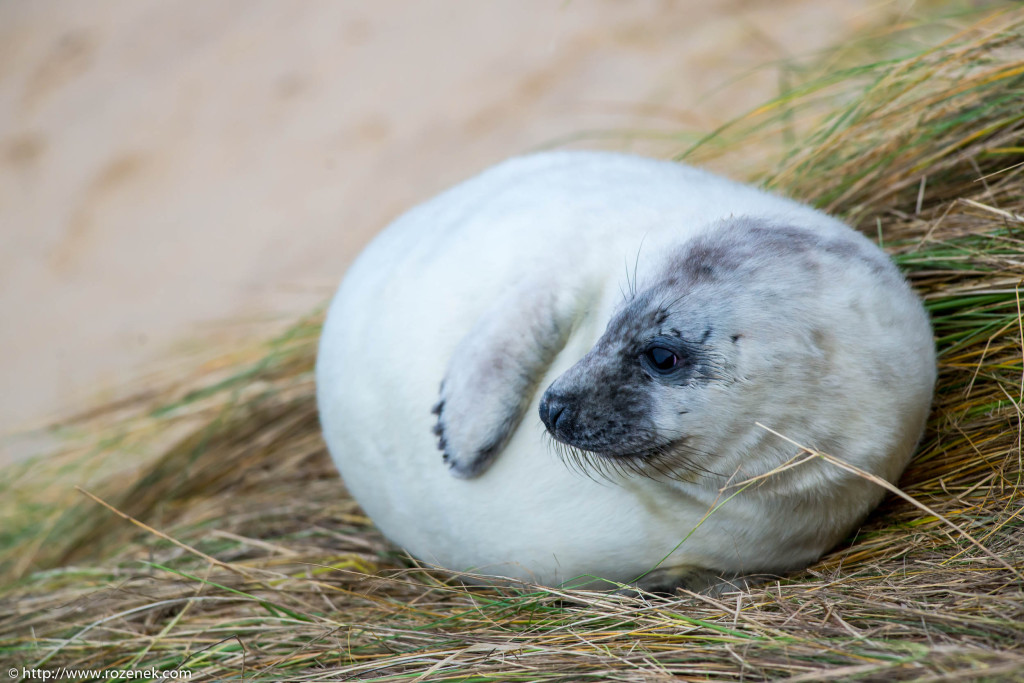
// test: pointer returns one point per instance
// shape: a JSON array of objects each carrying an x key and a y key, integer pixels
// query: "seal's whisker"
[{"x": 673, "y": 460}]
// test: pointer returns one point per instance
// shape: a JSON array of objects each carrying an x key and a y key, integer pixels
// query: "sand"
[{"x": 179, "y": 176}]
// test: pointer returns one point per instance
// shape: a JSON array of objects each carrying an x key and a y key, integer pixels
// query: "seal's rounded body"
[{"x": 556, "y": 369}]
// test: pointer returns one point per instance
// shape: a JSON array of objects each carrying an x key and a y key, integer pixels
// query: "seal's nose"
[{"x": 553, "y": 409}]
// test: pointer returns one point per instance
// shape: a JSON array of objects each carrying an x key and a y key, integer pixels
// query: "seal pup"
[{"x": 554, "y": 371}]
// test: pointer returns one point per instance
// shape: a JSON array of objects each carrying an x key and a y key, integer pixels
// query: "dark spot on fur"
[{"x": 746, "y": 245}]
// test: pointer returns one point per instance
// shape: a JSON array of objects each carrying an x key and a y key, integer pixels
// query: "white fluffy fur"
[{"x": 573, "y": 223}]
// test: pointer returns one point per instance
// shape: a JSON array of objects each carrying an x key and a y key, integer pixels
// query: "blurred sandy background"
[{"x": 175, "y": 171}]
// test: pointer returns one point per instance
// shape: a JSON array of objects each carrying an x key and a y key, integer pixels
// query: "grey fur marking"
[{"x": 609, "y": 405}]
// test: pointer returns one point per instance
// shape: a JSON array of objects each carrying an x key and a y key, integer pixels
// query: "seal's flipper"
[
  {"x": 493, "y": 375},
  {"x": 695, "y": 579}
]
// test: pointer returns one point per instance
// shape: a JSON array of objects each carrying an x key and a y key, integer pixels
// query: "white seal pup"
[{"x": 633, "y": 319}]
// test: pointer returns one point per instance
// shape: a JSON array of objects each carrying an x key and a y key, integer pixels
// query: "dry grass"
[{"x": 260, "y": 568}]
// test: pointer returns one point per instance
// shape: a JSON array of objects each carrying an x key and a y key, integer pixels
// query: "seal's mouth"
[{"x": 667, "y": 460}]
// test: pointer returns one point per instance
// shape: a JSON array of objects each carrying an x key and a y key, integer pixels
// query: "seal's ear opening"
[{"x": 493, "y": 375}]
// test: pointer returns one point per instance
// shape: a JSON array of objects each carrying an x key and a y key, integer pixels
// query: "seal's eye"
[{"x": 661, "y": 359}]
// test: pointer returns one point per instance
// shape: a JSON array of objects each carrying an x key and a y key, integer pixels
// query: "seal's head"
[{"x": 751, "y": 323}]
